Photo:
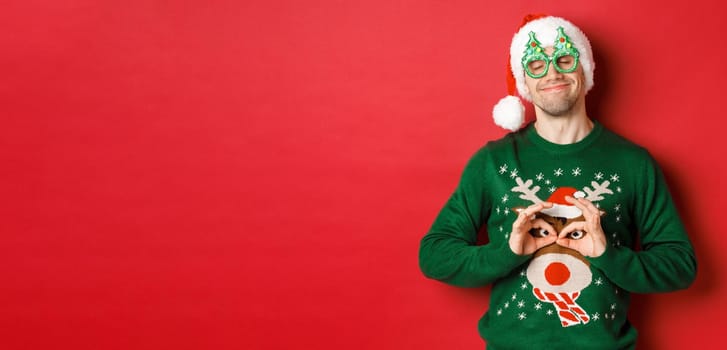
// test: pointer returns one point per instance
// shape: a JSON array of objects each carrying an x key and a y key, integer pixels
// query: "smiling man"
[{"x": 564, "y": 202}]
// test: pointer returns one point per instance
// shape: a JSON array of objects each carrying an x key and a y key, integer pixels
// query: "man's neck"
[{"x": 565, "y": 129}]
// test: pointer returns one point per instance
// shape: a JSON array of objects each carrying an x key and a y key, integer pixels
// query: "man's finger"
[
  {"x": 535, "y": 208},
  {"x": 587, "y": 208}
]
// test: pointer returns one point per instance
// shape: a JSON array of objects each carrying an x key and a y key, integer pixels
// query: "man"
[{"x": 565, "y": 202}]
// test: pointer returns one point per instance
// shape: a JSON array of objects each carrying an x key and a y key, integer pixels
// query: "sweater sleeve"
[
  {"x": 448, "y": 252},
  {"x": 666, "y": 260}
]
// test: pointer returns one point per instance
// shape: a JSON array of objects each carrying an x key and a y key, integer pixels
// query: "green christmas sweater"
[{"x": 557, "y": 298}]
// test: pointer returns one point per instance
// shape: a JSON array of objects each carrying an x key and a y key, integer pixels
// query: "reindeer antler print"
[
  {"x": 527, "y": 192},
  {"x": 595, "y": 194}
]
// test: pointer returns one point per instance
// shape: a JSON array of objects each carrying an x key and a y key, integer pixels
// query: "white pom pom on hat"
[{"x": 509, "y": 112}]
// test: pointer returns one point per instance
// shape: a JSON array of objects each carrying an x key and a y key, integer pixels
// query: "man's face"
[{"x": 556, "y": 93}]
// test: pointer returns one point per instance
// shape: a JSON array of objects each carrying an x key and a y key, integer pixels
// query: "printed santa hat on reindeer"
[{"x": 561, "y": 208}]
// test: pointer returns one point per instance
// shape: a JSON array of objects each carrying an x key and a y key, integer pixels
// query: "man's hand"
[
  {"x": 521, "y": 241},
  {"x": 586, "y": 237}
]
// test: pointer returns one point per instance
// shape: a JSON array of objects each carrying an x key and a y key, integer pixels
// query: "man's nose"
[{"x": 552, "y": 72}]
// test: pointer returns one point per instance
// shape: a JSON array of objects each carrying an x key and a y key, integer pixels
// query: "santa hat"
[
  {"x": 509, "y": 112},
  {"x": 561, "y": 208}
]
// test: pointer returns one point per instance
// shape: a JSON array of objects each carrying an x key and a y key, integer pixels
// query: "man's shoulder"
[
  {"x": 493, "y": 149},
  {"x": 618, "y": 142},
  {"x": 506, "y": 141},
  {"x": 616, "y": 146}
]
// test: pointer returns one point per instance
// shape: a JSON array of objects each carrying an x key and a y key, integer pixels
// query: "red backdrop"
[{"x": 258, "y": 174}]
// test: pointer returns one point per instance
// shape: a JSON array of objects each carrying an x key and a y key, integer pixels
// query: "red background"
[{"x": 258, "y": 174}]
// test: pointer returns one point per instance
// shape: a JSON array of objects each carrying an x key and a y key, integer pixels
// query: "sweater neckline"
[{"x": 551, "y": 147}]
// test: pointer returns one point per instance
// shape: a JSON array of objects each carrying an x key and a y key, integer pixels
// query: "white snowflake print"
[
  {"x": 598, "y": 176},
  {"x": 539, "y": 177},
  {"x": 524, "y": 286},
  {"x": 598, "y": 281},
  {"x": 558, "y": 172},
  {"x": 594, "y": 317},
  {"x": 514, "y": 296},
  {"x": 521, "y": 316},
  {"x": 613, "y": 306},
  {"x": 549, "y": 312},
  {"x": 497, "y": 210},
  {"x": 617, "y": 207},
  {"x": 513, "y": 174},
  {"x": 576, "y": 172},
  {"x": 523, "y": 273},
  {"x": 618, "y": 218},
  {"x": 507, "y": 304},
  {"x": 618, "y": 189},
  {"x": 551, "y": 189},
  {"x": 499, "y": 312},
  {"x": 521, "y": 304},
  {"x": 504, "y": 199},
  {"x": 614, "y": 178},
  {"x": 538, "y": 306},
  {"x": 503, "y": 169}
]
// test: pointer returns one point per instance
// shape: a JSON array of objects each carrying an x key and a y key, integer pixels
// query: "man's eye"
[
  {"x": 576, "y": 235},
  {"x": 539, "y": 232},
  {"x": 566, "y": 62},
  {"x": 537, "y": 66}
]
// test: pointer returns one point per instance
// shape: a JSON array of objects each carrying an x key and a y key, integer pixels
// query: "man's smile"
[{"x": 555, "y": 87}]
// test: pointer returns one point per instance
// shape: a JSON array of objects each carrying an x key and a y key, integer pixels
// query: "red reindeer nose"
[{"x": 557, "y": 273}]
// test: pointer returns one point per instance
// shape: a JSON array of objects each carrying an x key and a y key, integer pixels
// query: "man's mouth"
[{"x": 555, "y": 87}]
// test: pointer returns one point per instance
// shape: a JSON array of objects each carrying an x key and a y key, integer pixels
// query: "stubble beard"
[{"x": 557, "y": 106}]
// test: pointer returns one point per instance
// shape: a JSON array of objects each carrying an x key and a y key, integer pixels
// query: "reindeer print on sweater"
[{"x": 557, "y": 276}]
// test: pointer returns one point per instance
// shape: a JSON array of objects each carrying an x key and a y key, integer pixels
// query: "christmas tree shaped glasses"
[{"x": 564, "y": 58}]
